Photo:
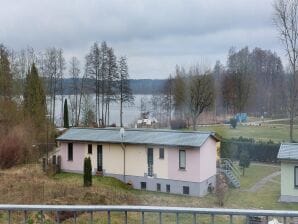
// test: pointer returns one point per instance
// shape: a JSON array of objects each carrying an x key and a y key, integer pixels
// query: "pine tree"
[
  {"x": 65, "y": 117},
  {"x": 34, "y": 97},
  {"x": 87, "y": 172},
  {"x": 124, "y": 88},
  {"x": 5, "y": 74}
]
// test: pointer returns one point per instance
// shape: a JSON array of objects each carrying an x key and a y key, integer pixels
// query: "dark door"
[
  {"x": 150, "y": 161},
  {"x": 99, "y": 157}
]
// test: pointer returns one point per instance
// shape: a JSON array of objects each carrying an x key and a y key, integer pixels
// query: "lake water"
[{"x": 130, "y": 112}]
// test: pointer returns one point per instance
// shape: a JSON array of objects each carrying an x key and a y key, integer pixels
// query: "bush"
[
  {"x": 178, "y": 124},
  {"x": 257, "y": 151},
  {"x": 233, "y": 122},
  {"x": 16, "y": 148},
  {"x": 87, "y": 172},
  {"x": 221, "y": 189}
]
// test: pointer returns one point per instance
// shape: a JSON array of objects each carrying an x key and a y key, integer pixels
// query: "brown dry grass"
[{"x": 29, "y": 185}]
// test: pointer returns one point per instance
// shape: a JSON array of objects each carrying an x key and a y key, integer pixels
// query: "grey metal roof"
[
  {"x": 137, "y": 136},
  {"x": 288, "y": 151}
]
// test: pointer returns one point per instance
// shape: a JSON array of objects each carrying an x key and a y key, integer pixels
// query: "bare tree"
[
  {"x": 125, "y": 93},
  {"x": 168, "y": 99},
  {"x": 285, "y": 19},
  {"x": 93, "y": 71},
  {"x": 201, "y": 95},
  {"x": 74, "y": 72}
]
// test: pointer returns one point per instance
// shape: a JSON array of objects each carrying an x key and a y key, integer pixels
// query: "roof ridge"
[{"x": 146, "y": 130}]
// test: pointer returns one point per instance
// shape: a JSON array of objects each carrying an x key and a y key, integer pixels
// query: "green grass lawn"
[
  {"x": 255, "y": 173},
  {"x": 265, "y": 198},
  {"x": 276, "y": 133}
]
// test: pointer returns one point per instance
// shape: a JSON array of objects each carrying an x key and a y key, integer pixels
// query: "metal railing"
[
  {"x": 231, "y": 171},
  {"x": 108, "y": 211}
]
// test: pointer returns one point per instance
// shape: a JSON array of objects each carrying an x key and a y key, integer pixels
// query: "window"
[
  {"x": 158, "y": 187},
  {"x": 89, "y": 148},
  {"x": 161, "y": 153},
  {"x": 143, "y": 185},
  {"x": 185, "y": 190},
  {"x": 296, "y": 176},
  {"x": 54, "y": 160},
  {"x": 182, "y": 159},
  {"x": 168, "y": 188},
  {"x": 70, "y": 151}
]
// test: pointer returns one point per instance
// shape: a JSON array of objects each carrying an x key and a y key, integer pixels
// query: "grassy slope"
[{"x": 65, "y": 188}]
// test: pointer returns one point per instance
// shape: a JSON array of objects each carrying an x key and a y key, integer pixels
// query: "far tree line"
[
  {"x": 102, "y": 73},
  {"x": 252, "y": 82}
]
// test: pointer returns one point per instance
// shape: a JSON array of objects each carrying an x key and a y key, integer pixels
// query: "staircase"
[{"x": 232, "y": 173}]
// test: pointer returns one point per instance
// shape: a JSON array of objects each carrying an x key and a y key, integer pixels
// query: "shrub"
[
  {"x": 233, "y": 122},
  {"x": 87, "y": 172},
  {"x": 15, "y": 148},
  {"x": 221, "y": 189},
  {"x": 257, "y": 151},
  {"x": 178, "y": 124},
  {"x": 244, "y": 160}
]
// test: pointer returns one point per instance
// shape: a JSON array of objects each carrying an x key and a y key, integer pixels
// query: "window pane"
[
  {"x": 296, "y": 176},
  {"x": 70, "y": 151},
  {"x": 161, "y": 153},
  {"x": 90, "y": 149},
  {"x": 182, "y": 159}
]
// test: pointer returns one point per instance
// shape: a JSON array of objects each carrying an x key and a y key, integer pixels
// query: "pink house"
[{"x": 179, "y": 162}]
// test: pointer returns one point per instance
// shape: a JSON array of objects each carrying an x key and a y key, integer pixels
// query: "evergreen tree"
[
  {"x": 34, "y": 97},
  {"x": 65, "y": 117},
  {"x": 5, "y": 74},
  {"x": 244, "y": 161},
  {"x": 87, "y": 172},
  {"x": 124, "y": 88}
]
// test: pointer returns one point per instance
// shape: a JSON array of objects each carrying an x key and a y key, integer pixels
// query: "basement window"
[
  {"x": 185, "y": 190},
  {"x": 168, "y": 188},
  {"x": 158, "y": 187},
  {"x": 143, "y": 185}
]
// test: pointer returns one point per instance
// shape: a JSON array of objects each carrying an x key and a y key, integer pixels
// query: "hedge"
[{"x": 258, "y": 151}]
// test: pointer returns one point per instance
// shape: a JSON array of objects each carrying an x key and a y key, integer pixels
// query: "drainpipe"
[{"x": 123, "y": 148}]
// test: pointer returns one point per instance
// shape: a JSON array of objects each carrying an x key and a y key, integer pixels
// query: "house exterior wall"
[
  {"x": 207, "y": 163},
  {"x": 288, "y": 191},
  {"x": 198, "y": 174},
  {"x": 78, "y": 157},
  {"x": 191, "y": 172}
]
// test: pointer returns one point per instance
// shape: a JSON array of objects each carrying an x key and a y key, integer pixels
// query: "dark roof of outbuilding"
[
  {"x": 288, "y": 151},
  {"x": 138, "y": 136}
]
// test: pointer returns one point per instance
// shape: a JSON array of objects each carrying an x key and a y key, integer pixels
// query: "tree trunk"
[
  {"x": 121, "y": 124},
  {"x": 194, "y": 123},
  {"x": 291, "y": 124}
]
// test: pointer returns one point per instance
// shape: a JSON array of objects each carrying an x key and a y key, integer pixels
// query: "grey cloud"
[{"x": 154, "y": 35}]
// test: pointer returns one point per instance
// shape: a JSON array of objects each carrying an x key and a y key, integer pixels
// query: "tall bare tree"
[
  {"x": 125, "y": 93},
  {"x": 74, "y": 72},
  {"x": 285, "y": 18},
  {"x": 193, "y": 93},
  {"x": 93, "y": 71}
]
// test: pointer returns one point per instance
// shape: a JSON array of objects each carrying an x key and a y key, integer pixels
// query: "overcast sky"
[{"x": 155, "y": 35}]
